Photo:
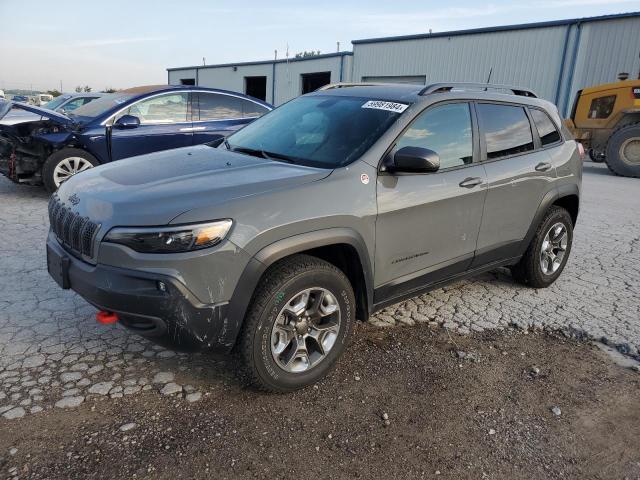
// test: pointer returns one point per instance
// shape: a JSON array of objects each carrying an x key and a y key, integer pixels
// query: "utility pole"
[
  {"x": 338, "y": 46},
  {"x": 60, "y": 86}
]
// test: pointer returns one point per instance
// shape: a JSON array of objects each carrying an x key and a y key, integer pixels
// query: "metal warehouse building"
[{"x": 555, "y": 59}]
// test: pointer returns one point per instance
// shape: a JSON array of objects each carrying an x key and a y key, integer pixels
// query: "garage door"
[{"x": 416, "y": 79}]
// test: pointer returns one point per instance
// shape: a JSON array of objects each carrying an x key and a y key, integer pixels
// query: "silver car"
[{"x": 271, "y": 244}]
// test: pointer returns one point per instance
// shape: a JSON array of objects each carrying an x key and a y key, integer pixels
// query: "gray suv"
[{"x": 329, "y": 208}]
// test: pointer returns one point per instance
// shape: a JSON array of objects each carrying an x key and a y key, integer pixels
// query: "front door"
[
  {"x": 520, "y": 172},
  {"x": 428, "y": 224},
  {"x": 165, "y": 123}
]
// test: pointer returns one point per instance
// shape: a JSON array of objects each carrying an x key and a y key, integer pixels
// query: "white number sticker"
[{"x": 389, "y": 106}]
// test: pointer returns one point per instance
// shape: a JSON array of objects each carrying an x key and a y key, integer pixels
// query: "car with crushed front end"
[
  {"x": 54, "y": 146},
  {"x": 65, "y": 103},
  {"x": 323, "y": 211}
]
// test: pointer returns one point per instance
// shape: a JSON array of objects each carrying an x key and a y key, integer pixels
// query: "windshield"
[
  {"x": 56, "y": 102},
  {"x": 101, "y": 105},
  {"x": 320, "y": 131}
]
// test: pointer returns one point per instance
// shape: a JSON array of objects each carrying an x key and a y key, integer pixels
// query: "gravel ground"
[
  {"x": 54, "y": 355},
  {"x": 405, "y": 403}
]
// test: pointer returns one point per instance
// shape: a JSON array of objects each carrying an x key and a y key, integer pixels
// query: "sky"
[{"x": 119, "y": 44}]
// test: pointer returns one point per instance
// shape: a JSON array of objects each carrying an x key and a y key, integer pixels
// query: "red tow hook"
[{"x": 106, "y": 318}]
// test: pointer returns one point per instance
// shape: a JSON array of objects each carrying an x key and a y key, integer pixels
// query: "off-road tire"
[
  {"x": 617, "y": 138},
  {"x": 57, "y": 157},
  {"x": 529, "y": 271},
  {"x": 257, "y": 368}
]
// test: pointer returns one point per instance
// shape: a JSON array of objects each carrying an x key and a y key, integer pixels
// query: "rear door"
[
  {"x": 217, "y": 115},
  {"x": 428, "y": 224},
  {"x": 165, "y": 123},
  {"x": 520, "y": 173}
]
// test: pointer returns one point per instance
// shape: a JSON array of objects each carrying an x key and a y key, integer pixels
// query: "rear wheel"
[
  {"x": 623, "y": 151},
  {"x": 548, "y": 251},
  {"x": 297, "y": 326},
  {"x": 65, "y": 163}
]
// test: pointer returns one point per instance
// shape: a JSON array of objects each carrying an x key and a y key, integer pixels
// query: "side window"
[
  {"x": 507, "y": 130},
  {"x": 170, "y": 108},
  {"x": 214, "y": 106},
  {"x": 602, "y": 107},
  {"x": 446, "y": 130},
  {"x": 546, "y": 129},
  {"x": 252, "y": 109}
]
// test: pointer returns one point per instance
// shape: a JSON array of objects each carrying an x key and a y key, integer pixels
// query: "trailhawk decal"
[{"x": 389, "y": 106}]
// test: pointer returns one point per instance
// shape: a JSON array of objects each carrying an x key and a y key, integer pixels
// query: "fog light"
[{"x": 162, "y": 287}]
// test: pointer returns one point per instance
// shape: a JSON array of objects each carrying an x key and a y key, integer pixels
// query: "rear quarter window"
[
  {"x": 547, "y": 130},
  {"x": 506, "y": 128}
]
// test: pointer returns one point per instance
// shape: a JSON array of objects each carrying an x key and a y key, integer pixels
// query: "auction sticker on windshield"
[{"x": 389, "y": 106}]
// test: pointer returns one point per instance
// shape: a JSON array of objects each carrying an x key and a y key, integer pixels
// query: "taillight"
[{"x": 581, "y": 151}]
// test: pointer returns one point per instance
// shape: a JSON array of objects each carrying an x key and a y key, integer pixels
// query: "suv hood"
[
  {"x": 154, "y": 189},
  {"x": 5, "y": 107}
]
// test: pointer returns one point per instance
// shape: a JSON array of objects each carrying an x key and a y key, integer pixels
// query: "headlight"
[{"x": 182, "y": 238}]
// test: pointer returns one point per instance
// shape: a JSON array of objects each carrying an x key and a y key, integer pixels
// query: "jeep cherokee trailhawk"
[{"x": 327, "y": 209}]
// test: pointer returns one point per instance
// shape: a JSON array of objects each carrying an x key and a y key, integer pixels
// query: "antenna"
[{"x": 489, "y": 77}]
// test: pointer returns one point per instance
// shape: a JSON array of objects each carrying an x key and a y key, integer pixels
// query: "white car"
[{"x": 41, "y": 99}]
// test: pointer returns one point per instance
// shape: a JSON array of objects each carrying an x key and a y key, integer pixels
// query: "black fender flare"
[
  {"x": 267, "y": 256},
  {"x": 549, "y": 199}
]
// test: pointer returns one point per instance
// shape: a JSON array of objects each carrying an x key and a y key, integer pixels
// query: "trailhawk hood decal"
[{"x": 154, "y": 189}]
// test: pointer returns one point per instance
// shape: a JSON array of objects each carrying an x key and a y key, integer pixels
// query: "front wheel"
[
  {"x": 548, "y": 251},
  {"x": 65, "y": 163},
  {"x": 297, "y": 326}
]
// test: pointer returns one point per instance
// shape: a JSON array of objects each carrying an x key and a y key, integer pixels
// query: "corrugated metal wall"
[
  {"x": 554, "y": 61},
  {"x": 289, "y": 79},
  {"x": 521, "y": 57},
  {"x": 287, "y": 75},
  {"x": 604, "y": 49}
]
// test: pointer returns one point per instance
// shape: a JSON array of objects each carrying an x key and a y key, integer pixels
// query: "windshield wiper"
[{"x": 264, "y": 154}]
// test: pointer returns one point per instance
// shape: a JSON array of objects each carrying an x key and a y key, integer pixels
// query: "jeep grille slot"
[{"x": 76, "y": 233}]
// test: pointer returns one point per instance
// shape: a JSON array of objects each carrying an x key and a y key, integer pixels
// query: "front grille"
[{"x": 76, "y": 233}]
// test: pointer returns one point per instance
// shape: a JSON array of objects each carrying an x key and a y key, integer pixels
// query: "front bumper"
[{"x": 155, "y": 306}]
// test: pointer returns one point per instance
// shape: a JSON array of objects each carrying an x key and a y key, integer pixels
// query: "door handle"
[
  {"x": 192, "y": 129},
  {"x": 543, "y": 166},
  {"x": 471, "y": 182}
]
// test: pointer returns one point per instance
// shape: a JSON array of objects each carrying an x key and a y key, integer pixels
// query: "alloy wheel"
[
  {"x": 554, "y": 247},
  {"x": 305, "y": 330},
  {"x": 68, "y": 167}
]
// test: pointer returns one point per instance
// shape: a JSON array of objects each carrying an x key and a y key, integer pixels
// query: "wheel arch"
[
  {"x": 566, "y": 196},
  {"x": 343, "y": 247}
]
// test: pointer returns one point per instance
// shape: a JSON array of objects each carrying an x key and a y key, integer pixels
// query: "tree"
[
  {"x": 80, "y": 88},
  {"x": 305, "y": 54},
  {"x": 54, "y": 93},
  {"x": 109, "y": 90}
]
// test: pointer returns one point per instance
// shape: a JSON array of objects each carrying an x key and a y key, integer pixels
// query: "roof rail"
[
  {"x": 447, "y": 87},
  {"x": 331, "y": 86}
]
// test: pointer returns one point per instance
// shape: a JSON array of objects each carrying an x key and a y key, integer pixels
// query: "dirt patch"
[{"x": 403, "y": 403}]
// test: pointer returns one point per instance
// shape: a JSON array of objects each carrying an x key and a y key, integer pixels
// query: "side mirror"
[
  {"x": 127, "y": 121},
  {"x": 415, "y": 160}
]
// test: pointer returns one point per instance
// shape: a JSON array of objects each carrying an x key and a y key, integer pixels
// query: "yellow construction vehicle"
[{"x": 606, "y": 120}]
